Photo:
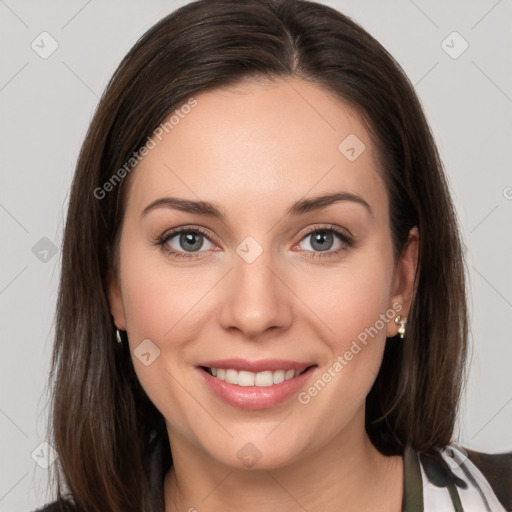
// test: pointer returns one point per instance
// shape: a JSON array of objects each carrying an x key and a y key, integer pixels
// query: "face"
[{"x": 262, "y": 290}]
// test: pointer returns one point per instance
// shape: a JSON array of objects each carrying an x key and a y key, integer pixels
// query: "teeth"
[
  {"x": 264, "y": 379},
  {"x": 231, "y": 376},
  {"x": 261, "y": 379},
  {"x": 278, "y": 376},
  {"x": 242, "y": 378}
]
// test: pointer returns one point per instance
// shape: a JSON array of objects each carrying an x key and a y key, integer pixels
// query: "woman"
[{"x": 262, "y": 301}]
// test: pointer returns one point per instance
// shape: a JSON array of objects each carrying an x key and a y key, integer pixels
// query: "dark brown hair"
[{"x": 101, "y": 418}]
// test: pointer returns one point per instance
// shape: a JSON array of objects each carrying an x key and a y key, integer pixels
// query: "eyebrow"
[{"x": 213, "y": 210}]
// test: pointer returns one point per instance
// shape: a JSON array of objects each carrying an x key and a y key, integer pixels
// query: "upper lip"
[{"x": 256, "y": 366}]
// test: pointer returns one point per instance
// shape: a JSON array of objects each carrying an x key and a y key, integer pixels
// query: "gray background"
[{"x": 47, "y": 105}]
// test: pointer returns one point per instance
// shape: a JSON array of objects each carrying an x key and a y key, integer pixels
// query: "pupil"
[
  {"x": 321, "y": 238},
  {"x": 189, "y": 239}
]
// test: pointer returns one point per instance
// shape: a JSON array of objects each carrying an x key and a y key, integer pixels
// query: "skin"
[{"x": 255, "y": 150}]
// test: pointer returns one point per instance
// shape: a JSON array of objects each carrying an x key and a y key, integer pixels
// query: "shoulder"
[
  {"x": 58, "y": 506},
  {"x": 457, "y": 478},
  {"x": 480, "y": 474},
  {"x": 497, "y": 470}
]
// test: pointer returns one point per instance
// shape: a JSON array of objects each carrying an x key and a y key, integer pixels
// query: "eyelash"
[{"x": 342, "y": 236}]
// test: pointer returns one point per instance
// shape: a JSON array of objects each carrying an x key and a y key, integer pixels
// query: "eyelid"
[
  {"x": 324, "y": 227},
  {"x": 184, "y": 229}
]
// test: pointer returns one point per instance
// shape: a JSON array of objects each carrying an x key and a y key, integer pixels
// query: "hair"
[{"x": 101, "y": 419}]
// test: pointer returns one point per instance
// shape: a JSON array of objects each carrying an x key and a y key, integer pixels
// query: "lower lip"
[{"x": 255, "y": 397}]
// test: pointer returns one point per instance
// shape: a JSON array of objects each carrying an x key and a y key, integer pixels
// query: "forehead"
[{"x": 257, "y": 143}]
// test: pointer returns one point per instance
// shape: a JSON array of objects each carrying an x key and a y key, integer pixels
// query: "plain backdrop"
[{"x": 47, "y": 103}]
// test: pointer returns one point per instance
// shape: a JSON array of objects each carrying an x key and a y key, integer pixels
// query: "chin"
[{"x": 258, "y": 451}]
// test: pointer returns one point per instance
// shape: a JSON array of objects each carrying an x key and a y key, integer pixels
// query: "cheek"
[
  {"x": 164, "y": 304},
  {"x": 168, "y": 305},
  {"x": 351, "y": 298},
  {"x": 159, "y": 298},
  {"x": 353, "y": 308}
]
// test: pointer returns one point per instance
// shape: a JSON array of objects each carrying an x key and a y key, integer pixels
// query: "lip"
[
  {"x": 256, "y": 397},
  {"x": 257, "y": 366}
]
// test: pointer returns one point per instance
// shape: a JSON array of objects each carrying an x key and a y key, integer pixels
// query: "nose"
[{"x": 256, "y": 297}]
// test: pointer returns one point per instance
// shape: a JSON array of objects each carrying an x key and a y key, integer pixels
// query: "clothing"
[{"x": 443, "y": 482}]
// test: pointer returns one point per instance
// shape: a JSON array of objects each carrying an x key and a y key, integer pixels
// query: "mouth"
[
  {"x": 255, "y": 385},
  {"x": 245, "y": 378}
]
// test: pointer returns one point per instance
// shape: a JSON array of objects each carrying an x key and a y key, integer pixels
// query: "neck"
[{"x": 347, "y": 474}]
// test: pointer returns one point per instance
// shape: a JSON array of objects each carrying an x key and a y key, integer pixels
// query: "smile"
[
  {"x": 247, "y": 378},
  {"x": 255, "y": 384}
]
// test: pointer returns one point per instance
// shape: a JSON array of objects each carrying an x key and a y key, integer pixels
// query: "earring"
[
  {"x": 118, "y": 336},
  {"x": 401, "y": 323}
]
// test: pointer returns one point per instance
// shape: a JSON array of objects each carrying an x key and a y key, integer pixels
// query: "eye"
[
  {"x": 184, "y": 242},
  {"x": 322, "y": 239},
  {"x": 187, "y": 242}
]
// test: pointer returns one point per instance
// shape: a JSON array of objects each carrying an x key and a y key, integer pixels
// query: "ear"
[
  {"x": 116, "y": 301},
  {"x": 403, "y": 279}
]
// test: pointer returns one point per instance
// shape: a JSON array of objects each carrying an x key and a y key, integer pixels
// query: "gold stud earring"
[
  {"x": 118, "y": 336},
  {"x": 401, "y": 325}
]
